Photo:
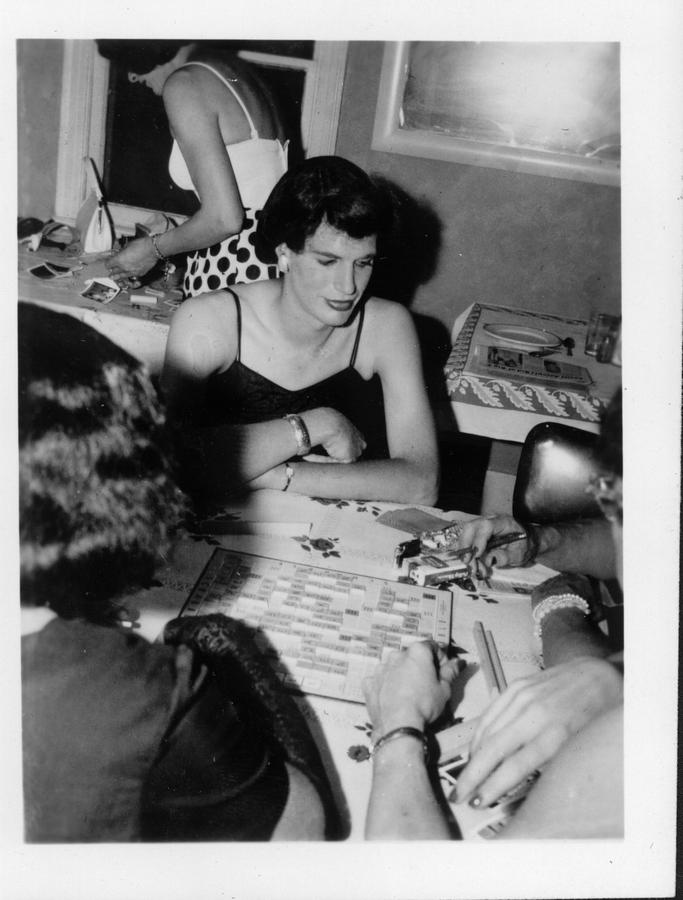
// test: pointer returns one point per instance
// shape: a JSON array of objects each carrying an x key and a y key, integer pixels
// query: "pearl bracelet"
[{"x": 555, "y": 602}]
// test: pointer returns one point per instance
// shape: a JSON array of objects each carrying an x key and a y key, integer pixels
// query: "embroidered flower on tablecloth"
[
  {"x": 361, "y": 505},
  {"x": 367, "y": 507},
  {"x": 327, "y": 501},
  {"x": 324, "y": 546},
  {"x": 358, "y": 752},
  {"x": 366, "y": 728},
  {"x": 483, "y": 597}
]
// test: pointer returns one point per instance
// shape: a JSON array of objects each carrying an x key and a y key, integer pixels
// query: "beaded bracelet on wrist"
[{"x": 553, "y": 603}]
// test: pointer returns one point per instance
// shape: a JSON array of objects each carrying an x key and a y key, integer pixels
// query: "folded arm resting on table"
[{"x": 222, "y": 456}]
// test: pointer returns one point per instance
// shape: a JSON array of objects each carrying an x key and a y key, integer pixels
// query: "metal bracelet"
[
  {"x": 157, "y": 252},
  {"x": 303, "y": 439},
  {"x": 289, "y": 474},
  {"x": 401, "y": 731}
]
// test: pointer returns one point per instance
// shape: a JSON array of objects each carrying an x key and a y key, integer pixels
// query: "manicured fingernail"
[{"x": 475, "y": 802}]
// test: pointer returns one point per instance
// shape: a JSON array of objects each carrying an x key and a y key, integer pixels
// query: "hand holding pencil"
[{"x": 498, "y": 541}]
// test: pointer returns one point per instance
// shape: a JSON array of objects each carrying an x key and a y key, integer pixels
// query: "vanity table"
[{"x": 141, "y": 330}]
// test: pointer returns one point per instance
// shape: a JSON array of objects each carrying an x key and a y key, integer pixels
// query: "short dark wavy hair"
[
  {"x": 139, "y": 56},
  {"x": 323, "y": 189},
  {"x": 97, "y": 492}
]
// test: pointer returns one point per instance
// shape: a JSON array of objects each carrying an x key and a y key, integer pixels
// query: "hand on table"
[
  {"x": 274, "y": 479},
  {"x": 526, "y": 725},
  {"x": 411, "y": 688},
  {"x": 133, "y": 262},
  {"x": 331, "y": 430},
  {"x": 478, "y": 532}
]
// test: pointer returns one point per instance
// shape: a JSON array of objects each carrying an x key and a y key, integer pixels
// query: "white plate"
[{"x": 523, "y": 337}]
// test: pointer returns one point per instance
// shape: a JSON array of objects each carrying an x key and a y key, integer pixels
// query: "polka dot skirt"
[{"x": 232, "y": 261}]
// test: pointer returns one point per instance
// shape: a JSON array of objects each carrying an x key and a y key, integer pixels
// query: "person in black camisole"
[
  {"x": 306, "y": 383},
  {"x": 239, "y": 395}
]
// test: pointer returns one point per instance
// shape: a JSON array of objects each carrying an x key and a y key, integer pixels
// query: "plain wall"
[
  {"x": 495, "y": 237},
  {"x": 523, "y": 240},
  {"x": 39, "y": 93}
]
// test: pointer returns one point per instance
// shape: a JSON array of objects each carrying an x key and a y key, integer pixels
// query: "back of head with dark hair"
[
  {"x": 326, "y": 189},
  {"x": 609, "y": 448},
  {"x": 97, "y": 493},
  {"x": 139, "y": 56}
]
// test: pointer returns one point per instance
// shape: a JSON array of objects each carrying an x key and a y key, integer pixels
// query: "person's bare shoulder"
[
  {"x": 208, "y": 315},
  {"x": 203, "y": 334},
  {"x": 258, "y": 298},
  {"x": 385, "y": 319},
  {"x": 183, "y": 84},
  {"x": 388, "y": 330}
]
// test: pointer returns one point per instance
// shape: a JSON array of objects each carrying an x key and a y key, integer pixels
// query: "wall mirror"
[{"x": 541, "y": 108}]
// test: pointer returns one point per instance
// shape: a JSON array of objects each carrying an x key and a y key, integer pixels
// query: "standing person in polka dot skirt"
[
  {"x": 227, "y": 148},
  {"x": 233, "y": 261}
]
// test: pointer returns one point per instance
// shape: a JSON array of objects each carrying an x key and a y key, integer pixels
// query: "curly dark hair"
[
  {"x": 97, "y": 492},
  {"x": 323, "y": 189}
]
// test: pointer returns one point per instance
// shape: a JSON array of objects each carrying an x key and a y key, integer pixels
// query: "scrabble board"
[{"x": 323, "y": 630}]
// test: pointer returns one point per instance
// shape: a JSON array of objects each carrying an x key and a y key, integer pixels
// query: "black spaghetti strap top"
[{"x": 241, "y": 396}]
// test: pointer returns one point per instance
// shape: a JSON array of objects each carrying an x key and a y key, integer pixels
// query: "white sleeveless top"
[{"x": 258, "y": 163}]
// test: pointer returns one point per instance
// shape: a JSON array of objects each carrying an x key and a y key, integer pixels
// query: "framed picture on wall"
[{"x": 540, "y": 108}]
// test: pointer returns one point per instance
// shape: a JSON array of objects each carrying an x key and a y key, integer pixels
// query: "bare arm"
[
  {"x": 195, "y": 127},
  {"x": 256, "y": 453},
  {"x": 402, "y": 802},
  {"x": 526, "y": 726},
  {"x": 202, "y": 341},
  {"x": 581, "y": 792},
  {"x": 584, "y": 546},
  {"x": 411, "y": 474},
  {"x": 410, "y": 689}
]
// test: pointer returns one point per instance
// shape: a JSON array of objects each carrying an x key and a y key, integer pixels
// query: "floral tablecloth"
[
  {"x": 535, "y": 402},
  {"x": 344, "y": 535}
]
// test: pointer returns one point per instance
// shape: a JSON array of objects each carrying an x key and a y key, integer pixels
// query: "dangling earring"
[{"x": 283, "y": 263}]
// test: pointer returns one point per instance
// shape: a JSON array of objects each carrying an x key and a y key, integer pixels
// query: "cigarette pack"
[
  {"x": 435, "y": 568},
  {"x": 142, "y": 300}
]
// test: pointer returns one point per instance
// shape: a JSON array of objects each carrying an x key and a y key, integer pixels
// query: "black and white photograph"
[{"x": 343, "y": 509}]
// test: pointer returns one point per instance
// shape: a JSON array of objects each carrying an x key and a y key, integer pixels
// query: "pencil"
[
  {"x": 485, "y": 656},
  {"x": 504, "y": 539},
  {"x": 501, "y": 682}
]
